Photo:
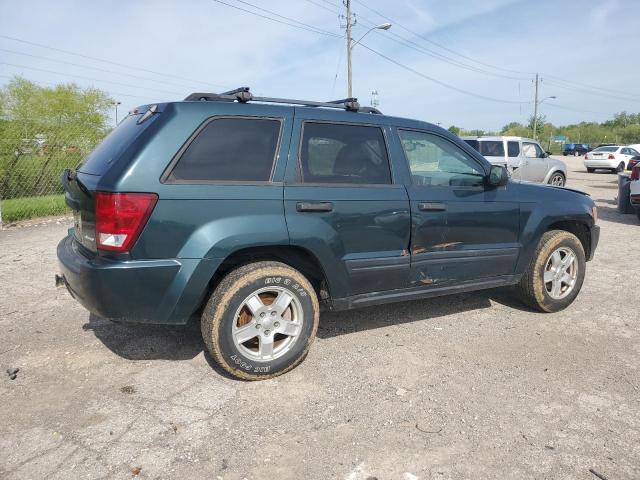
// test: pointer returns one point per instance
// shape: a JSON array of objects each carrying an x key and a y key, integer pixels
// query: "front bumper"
[{"x": 148, "y": 291}]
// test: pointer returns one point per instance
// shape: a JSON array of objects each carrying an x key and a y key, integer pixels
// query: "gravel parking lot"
[{"x": 470, "y": 386}]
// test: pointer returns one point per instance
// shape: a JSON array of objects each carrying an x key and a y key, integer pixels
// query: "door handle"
[
  {"x": 432, "y": 207},
  {"x": 314, "y": 206}
]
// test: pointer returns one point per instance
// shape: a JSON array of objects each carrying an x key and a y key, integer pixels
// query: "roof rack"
[{"x": 243, "y": 95}]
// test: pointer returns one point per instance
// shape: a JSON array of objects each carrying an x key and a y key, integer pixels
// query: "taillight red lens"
[
  {"x": 585, "y": 157},
  {"x": 611, "y": 157},
  {"x": 120, "y": 217},
  {"x": 635, "y": 172}
]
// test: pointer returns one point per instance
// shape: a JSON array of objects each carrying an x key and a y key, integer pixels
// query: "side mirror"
[
  {"x": 548, "y": 153},
  {"x": 498, "y": 176}
]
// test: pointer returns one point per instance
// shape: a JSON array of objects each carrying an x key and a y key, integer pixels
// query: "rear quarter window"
[
  {"x": 229, "y": 149},
  {"x": 491, "y": 148},
  {"x": 108, "y": 152}
]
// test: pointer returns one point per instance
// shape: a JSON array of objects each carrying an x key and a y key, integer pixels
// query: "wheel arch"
[
  {"x": 296, "y": 257},
  {"x": 577, "y": 228}
]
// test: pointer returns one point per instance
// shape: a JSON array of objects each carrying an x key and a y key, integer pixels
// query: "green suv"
[{"x": 252, "y": 213}]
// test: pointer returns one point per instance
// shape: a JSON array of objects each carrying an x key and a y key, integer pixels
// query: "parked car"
[
  {"x": 614, "y": 158},
  {"x": 575, "y": 149},
  {"x": 250, "y": 212},
  {"x": 524, "y": 158},
  {"x": 634, "y": 189}
]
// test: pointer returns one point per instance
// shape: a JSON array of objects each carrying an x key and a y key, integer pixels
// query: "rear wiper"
[{"x": 73, "y": 175}]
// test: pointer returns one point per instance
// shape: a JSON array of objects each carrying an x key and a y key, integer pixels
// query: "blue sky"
[{"x": 202, "y": 45}]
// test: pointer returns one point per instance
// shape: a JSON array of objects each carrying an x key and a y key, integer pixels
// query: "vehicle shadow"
[
  {"x": 160, "y": 342},
  {"x": 611, "y": 214},
  {"x": 334, "y": 324}
]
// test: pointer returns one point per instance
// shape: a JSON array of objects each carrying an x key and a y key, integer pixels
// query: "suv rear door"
[
  {"x": 535, "y": 165},
  {"x": 342, "y": 204},
  {"x": 461, "y": 230}
]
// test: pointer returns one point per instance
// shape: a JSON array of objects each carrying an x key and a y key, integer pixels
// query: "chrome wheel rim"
[
  {"x": 557, "y": 180},
  {"x": 267, "y": 324},
  {"x": 560, "y": 273}
]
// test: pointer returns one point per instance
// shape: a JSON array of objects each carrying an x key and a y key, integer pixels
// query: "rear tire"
[
  {"x": 619, "y": 168},
  {"x": 261, "y": 320},
  {"x": 576, "y": 154},
  {"x": 547, "y": 270},
  {"x": 590, "y": 170}
]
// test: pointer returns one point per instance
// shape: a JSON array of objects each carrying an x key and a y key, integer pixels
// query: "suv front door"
[
  {"x": 462, "y": 231},
  {"x": 535, "y": 165},
  {"x": 342, "y": 204}
]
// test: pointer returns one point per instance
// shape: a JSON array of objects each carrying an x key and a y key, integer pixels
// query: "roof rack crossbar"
[{"x": 243, "y": 95}]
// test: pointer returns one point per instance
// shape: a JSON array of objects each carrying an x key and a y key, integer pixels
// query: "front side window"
[
  {"x": 230, "y": 149},
  {"x": 435, "y": 161},
  {"x": 513, "y": 149},
  {"x": 339, "y": 153},
  {"x": 532, "y": 150}
]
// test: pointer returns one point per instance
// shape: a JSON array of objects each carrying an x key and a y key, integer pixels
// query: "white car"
[{"x": 614, "y": 158}]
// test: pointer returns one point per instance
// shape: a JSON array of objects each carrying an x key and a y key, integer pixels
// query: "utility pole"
[
  {"x": 115, "y": 104},
  {"x": 535, "y": 111},
  {"x": 347, "y": 3}
]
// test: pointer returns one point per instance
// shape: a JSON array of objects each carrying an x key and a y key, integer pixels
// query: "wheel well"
[
  {"x": 299, "y": 258},
  {"x": 579, "y": 229}
]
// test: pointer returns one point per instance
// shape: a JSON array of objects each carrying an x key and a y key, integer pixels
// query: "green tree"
[
  {"x": 453, "y": 129},
  {"x": 45, "y": 130}
]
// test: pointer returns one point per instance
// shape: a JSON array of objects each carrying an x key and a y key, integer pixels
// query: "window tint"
[
  {"x": 513, "y": 149},
  {"x": 230, "y": 149},
  {"x": 435, "y": 161},
  {"x": 606, "y": 149},
  {"x": 492, "y": 148},
  {"x": 338, "y": 153}
]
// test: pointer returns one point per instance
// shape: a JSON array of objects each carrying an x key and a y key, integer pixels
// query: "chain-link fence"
[{"x": 31, "y": 165}]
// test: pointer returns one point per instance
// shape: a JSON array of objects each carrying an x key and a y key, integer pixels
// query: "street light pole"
[
  {"x": 115, "y": 104},
  {"x": 350, "y": 43}
]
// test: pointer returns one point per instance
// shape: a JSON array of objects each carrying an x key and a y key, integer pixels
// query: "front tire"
[
  {"x": 556, "y": 272},
  {"x": 557, "y": 179},
  {"x": 261, "y": 320}
]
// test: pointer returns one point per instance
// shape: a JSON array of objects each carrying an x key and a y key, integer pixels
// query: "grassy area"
[{"x": 30, "y": 207}]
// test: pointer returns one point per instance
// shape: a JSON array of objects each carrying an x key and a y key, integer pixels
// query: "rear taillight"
[
  {"x": 635, "y": 172},
  {"x": 120, "y": 217},
  {"x": 585, "y": 157},
  {"x": 611, "y": 157}
]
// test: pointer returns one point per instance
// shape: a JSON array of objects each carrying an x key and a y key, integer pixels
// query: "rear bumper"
[
  {"x": 595, "y": 238},
  {"x": 601, "y": 163},
  {"x": 148, "y": 291}
]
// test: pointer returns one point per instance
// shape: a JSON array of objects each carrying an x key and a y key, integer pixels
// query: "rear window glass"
[
  {"x": 121, "y": 137},
  {"x": 492, "y": 148},
  {"x": 606, "y": 149},
  {"x": 473, "y": 144},
  {"x": 513, "y": 149},
  {"x": 338, "y": 153},
  {"x": 230, "y": 149}
]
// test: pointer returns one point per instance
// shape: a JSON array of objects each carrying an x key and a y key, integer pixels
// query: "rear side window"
[
  {"x": 339, "y": 153},
  {"x": 230, "y": 149},
  {"x": 491, "y": 148},
  {"x": 513, "y": 149}
]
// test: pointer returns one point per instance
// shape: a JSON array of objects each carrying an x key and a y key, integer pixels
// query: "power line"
[
  {"x": 440, "y": 45},
  {"x": 49, "y": 59},
  {"x": 301, "y": 27},
  {"x": 68, "y": 52},
  {"x": 119, "y": 94},
  {"x": 87, "y": 78},
  {"x": 443, "y": 84},
  {"x": 588, "y": 92}
]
